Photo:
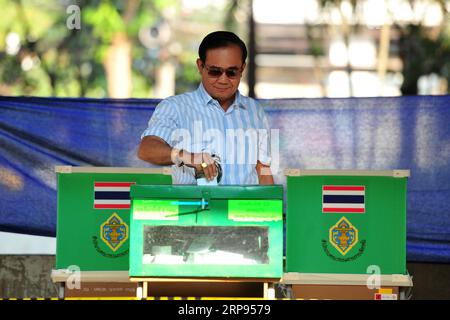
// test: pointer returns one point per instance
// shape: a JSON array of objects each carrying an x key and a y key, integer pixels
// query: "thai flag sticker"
[
  {"x": 112, "y": 195},
  {"x": 343, "y": 199}
]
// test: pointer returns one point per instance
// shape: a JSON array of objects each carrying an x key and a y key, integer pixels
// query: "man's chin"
[{"x": 219, "y": 96}]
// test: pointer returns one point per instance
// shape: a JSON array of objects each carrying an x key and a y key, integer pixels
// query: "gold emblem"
[
  {"x": 114, "y": 232},
  {"x": 343, "y": 236}
]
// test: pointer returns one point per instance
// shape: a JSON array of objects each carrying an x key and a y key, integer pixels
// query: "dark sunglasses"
[{"x": 216, "y": 72}]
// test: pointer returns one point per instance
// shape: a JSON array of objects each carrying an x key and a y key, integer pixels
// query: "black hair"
[{"x": 220, "y": 39}]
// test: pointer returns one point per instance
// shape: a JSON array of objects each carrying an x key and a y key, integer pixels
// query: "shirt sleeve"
[
  {"x": 264, "y": 138},
  {"x": 163, "y": 122}
]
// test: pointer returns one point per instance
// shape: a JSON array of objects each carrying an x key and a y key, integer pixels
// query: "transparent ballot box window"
[{"x": 206, "y": 245}]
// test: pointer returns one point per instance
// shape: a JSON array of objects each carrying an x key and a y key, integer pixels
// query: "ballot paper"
[{"x": 204, "y": 182}]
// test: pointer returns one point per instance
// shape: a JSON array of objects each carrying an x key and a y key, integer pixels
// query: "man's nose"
[{"x": 223, "y": 78}]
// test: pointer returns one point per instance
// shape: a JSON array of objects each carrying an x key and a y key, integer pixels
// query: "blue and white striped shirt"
[{"x": 196, "y": 122}]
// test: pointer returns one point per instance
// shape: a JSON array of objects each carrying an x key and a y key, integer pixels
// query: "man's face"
[{"x": 222, "y": 87}]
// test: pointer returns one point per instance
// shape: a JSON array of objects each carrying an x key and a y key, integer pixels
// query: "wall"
[{"x": 27, "y": 276}]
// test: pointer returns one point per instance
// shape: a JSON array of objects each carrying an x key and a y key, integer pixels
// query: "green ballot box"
[
  {"x": 93, "y": 215},
  {"x": 346, "y": 222},
  {"x": 206, "y": 231}
]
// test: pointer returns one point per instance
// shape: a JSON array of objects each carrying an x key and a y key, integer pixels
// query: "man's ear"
[
  {"x": 243, "y": 68},
  {"x": 199, "y": 65}
]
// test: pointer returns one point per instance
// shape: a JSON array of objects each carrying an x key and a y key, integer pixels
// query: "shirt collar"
[{"x": 206, "y": 98}]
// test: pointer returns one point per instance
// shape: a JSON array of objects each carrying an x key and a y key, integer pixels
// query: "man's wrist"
[
  {"x": 176, "y": 157},
  {"x": 188, "y": 158}
]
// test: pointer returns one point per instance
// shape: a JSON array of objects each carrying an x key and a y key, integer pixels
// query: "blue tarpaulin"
[{"x": 36, "y": 134}]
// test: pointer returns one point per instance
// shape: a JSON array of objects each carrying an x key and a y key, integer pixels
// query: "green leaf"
[{"x": 105, "y": 20}]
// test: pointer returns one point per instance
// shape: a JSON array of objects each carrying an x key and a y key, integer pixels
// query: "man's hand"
[
  {"x": 201, "y": 162},
  {"x": 264, "y": 174},
  {"x": 157, "y": 151}
]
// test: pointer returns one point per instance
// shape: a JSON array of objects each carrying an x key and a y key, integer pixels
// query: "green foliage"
[
  {"x": 105, "y": 21},
  {"x": 10, "y": 71},
  {"x": 187, "y": 76},
  {"x": 71, "y": 62},
  {"x": 423, "y": 54}
]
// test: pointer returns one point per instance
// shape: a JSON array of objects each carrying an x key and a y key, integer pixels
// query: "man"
[{"x": 187, "y": 130}]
